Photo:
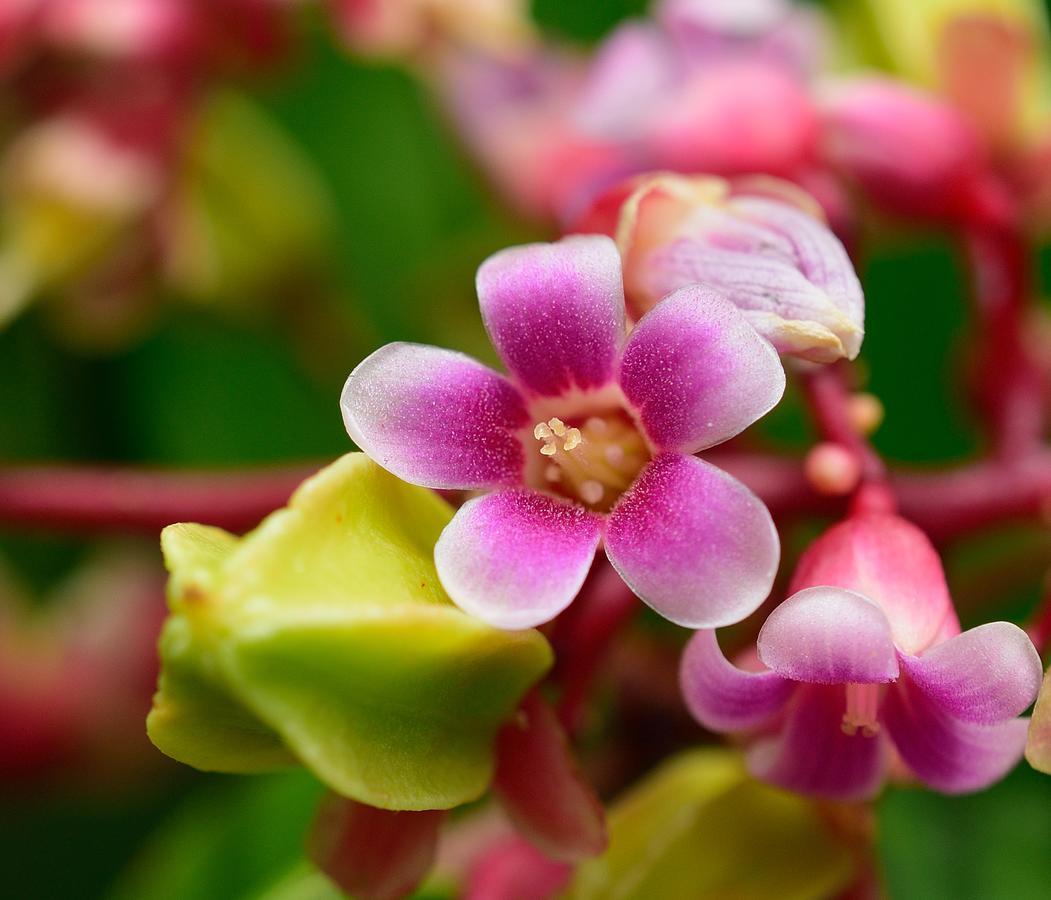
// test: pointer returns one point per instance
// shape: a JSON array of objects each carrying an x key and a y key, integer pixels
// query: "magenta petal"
[
  {"x": 555, "y": 312},
  {"x": 697, "y": 372},
  {"x": 945, "y": 752},
  {"x": 515, "y": 558},
  {"x": 984, "y": 675},
  {"x": 813, "y": 755},
  {"x": 435, "y": 417},
  {"x": 693, "y": 542},
  {"x": 828, "y": 635},
  {"x": 723, "y": 697}
]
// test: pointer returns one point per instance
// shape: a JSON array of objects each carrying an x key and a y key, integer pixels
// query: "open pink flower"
[
  {"x": 590, "y": 440},
  {"x": 866, "y": 655}
]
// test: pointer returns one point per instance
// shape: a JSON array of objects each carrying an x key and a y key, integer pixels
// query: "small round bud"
[
  {"x": 866, "y": 413},
  {"x": 832, "y": 470}
]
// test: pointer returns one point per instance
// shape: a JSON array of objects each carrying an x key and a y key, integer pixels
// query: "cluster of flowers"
[
  {"x": 387, "y": 641},
  {"x": 592, "y": 440},
  {"x": 740, "y": 88}
]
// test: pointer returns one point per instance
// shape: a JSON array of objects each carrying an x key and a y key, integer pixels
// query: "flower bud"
[
  {"x": 911, "y": 152},
  {"x": 740, "y": 116},
  {"x": 324, "y": 637},
  {"x": 763, "y": 245}
]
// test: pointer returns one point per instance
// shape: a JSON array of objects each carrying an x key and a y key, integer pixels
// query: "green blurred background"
[{"x": 411, "y": 221}]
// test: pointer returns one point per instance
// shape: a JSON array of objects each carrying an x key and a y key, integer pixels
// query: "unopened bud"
[{"x": 832, "y": 470}]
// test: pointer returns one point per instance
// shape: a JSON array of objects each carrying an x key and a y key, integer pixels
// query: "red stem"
[
  {"x": 1010, "y": 390},
  {"x": 1040, "y": 629},
  {"x": 828, "y": 396},
  {"x": 129, "y": 500},
  {"x": 945, "y": 504}
]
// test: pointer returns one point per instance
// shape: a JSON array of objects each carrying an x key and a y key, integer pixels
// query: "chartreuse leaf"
[
  {"x": 248, "y": 208},
  {"x": 700, "y": 827},
  {"x": 911, "y": 38},
  {"x": 325, "y": 637}
]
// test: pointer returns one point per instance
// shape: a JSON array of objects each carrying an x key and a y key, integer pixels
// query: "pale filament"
[{"x": 862, "y": 710}]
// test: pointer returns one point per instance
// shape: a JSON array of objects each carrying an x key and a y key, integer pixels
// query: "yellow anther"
[
  {"x": 542, "y": 432},
  {"x": 549, "y": 449},
  {"x": 557, "y": 426},
  {"x": 573, "y": 439}
]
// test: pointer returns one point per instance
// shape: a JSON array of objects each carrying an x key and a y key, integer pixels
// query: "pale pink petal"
[
  {"x": 631, "y": 71},
  {"x": 947, "y": 753},
  {"x": 826, "y": 635},
  {"x": 724, "y": 698},
  {"x": 515, "y": 558},
  {"x": 542, "y": 788},
  {"x": 555, "y": 312},
  {"x": 693, "y": 542},
  {"x": 891, "y": 562},
  {"x": 813, "y": 755},
  {"x": 781, "y": 266},
  {"x": 697, "y": 373},
  {"x": 436, "y": 418},
  {"x": 984, "y": 675}
]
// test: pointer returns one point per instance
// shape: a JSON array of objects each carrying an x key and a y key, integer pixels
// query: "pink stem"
[
  {"x": 1010, "y": 390},
  {"x": 828, "y": 396},
  {"x": 945, "y": 504},
  {"x": 130, "y": 500}
]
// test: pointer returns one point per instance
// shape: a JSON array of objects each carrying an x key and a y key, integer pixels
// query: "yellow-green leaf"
[
  {"x": 325, "y": 636},
  {"x": 699, "y": 827}
]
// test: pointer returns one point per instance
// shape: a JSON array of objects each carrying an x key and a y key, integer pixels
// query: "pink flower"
[
  {"x": 911, "y": 152},
  {"x": 589, "y": 440},
  {"x": 866, "y": 659}
]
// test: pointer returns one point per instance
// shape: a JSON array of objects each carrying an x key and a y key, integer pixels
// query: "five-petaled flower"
[
  {"x": 868, "y": 648},
  {"x": 590, "y": 440}
]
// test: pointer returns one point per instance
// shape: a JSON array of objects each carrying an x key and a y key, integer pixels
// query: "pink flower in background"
[
  {"x": 715, "y": 87},
  {"x": 589, "y": 440},
  {"x": 910, "y": 151},
  {"x": 864, "y": 660}
]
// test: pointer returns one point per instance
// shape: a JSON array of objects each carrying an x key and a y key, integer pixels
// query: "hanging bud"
[
  {"x": 910, "y": 152},
  {"x": 763, "y": 245}
]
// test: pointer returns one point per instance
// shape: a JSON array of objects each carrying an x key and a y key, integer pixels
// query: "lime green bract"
[{"x": 324, "y": 637}]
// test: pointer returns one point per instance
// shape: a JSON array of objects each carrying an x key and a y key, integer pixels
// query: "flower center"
[
  {"x": 862, "y": 706},
  {"x": 592, "y": 461}
]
